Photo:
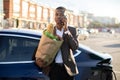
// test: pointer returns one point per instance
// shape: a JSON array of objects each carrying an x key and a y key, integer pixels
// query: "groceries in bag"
[{"x": 48, "y": 47}]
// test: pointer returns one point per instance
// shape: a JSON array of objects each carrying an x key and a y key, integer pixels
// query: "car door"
[{"x": 17, "y": 57}]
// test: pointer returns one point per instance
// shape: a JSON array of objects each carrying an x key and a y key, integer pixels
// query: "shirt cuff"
[{"x": 66, "y": 32}]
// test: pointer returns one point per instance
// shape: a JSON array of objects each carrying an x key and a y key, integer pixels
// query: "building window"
[
  {"x": 39, "y": 12},
  {"x": 25, "y": 9},
  {"x": 16, "y": 8}
]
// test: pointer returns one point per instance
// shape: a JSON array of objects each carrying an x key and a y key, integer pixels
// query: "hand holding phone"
[{"x": 64, "y": 20}]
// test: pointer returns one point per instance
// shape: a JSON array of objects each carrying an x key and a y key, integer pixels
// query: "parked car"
[
  {"x": 93, "y": 31},
  {"x": 82, "y": 34},
  {"x": 17, "y": 58},
  {"x": 111, "y": 31}
]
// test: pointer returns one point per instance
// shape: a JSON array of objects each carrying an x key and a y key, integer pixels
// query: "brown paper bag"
[{"x": 46, "y": 51}]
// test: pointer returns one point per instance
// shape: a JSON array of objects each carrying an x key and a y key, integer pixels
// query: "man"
[{"x": 64, "y": 66}]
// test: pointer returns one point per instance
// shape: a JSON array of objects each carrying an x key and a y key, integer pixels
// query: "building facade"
[{"x": 29, "y": 14}]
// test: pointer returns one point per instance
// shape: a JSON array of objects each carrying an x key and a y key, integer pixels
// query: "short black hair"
[{"x": 61, "y": 8}]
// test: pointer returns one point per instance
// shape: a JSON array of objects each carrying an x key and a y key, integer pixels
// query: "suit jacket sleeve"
[{"x": 71, "y": 39}]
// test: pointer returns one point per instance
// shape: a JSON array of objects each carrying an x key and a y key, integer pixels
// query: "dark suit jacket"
[{"x": 70, "y": 44}]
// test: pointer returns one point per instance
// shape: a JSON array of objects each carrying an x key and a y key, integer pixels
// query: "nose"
[{"x": 59, "y": 17}]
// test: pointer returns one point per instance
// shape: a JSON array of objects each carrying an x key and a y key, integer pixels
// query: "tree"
[{"x": 96, "y": 24}]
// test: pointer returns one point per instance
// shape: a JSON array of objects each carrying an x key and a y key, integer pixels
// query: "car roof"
[{"x": 18, "y": 32}]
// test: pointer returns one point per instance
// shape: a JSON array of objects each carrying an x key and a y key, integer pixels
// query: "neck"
[{"x": 59, "y": 27}]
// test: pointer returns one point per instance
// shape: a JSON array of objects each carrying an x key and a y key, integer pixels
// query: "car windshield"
[{"x": 17, "y": 48}]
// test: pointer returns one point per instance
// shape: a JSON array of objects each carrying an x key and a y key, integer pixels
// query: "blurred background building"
[{"x": 33, "y": 15}]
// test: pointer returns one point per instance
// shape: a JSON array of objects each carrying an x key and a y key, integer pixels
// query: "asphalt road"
[{"x": 106, "y": 43}]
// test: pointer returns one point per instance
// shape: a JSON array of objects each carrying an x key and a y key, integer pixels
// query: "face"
[{"x": 59, "y": 17}]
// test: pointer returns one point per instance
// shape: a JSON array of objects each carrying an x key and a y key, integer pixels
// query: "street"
[{"x": 106, "y": 43}]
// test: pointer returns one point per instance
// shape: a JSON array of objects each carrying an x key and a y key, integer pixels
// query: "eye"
[{"x": 56, "y": 14}]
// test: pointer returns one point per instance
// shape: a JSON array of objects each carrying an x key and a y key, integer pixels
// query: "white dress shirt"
[{"x": 58, "y": 58}]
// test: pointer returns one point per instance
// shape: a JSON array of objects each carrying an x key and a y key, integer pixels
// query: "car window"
[{"x": 17, "y": 48}]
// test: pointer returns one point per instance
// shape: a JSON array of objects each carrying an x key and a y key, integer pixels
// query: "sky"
[{"x": 109, "y": 8}]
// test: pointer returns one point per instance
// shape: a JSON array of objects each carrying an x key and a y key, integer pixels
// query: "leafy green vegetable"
[{"x": 50, "y": 35}]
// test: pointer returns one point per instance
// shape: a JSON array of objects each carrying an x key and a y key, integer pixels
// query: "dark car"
[{"x": 17, "y": 58}]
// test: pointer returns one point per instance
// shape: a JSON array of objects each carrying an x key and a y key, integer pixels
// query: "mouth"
[{"x": 60, "y": 22}]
